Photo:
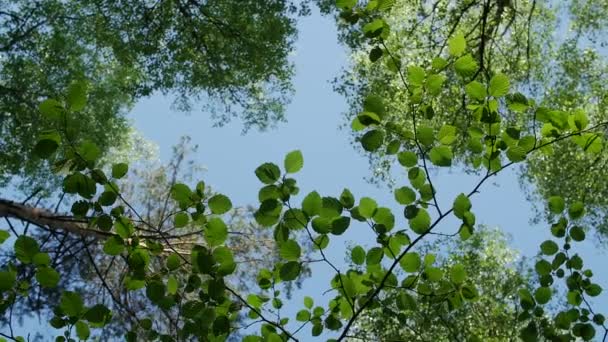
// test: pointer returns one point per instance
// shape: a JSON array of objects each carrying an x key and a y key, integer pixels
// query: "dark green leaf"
[
  {"x": 372, "y": 140},
  {"x": 290, "y": 271},
  {"x": 268, "y": 173}
]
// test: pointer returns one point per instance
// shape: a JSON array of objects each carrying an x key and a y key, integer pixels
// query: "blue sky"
[{"x": 331, "y": 164}]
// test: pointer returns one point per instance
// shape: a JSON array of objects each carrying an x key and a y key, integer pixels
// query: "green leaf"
[
  {"x": 374, "y": 256},
  {"x": 45, "y": 148},
  {"x": 410, "y": 262},
  {"x": 89, "y": 151},
  {"x": 407, "y": 158},
  {"x": 173, "y": 261},
  {"x": 4, "y": 235},
  {"x": 216, "y": 232},
  {"x": 268, "y": 173},
  {"x": 312, "y": 204},
  {"x": 441, "y": 156},
  {"x": 574, "y": 298},
  {"x": 219, "y": 204},
  {"x": 223, "y": 256},
  {"x": 82, "y": 330},
  {"x": 447, "y": 134},
  {"x": 462, "y": 204},
  {"x": 47, "y": 277},
  {"x": 577, "y": 233},
  {"x": 405, "y": 195},
  {"x": 290, "y": 271},
  {"x": 293, "y": 162},
  {"x": 358, "y": 255},
  {"x": 549, "y": 247},
  {"x": 458, "y": 274},
  {"x": 434, "y": 84},
  {"x": 98, "y": 314},
  {"x": 25, "y": 248},
  {"x": 542, "y": 295},
  {"x": 372, "y": 140},
  {"x": 71, "y": 304},
  {"x": 308, "y": 302},
  {"x": 374, "y": 104},
  {"x": 576, "y": 210},
  {"x": 77, "y": 96},
  {"x": 51, "y": 109},
  {"x": 421, "y": 222},
  {"x": 119, "y": 170},
  {"x": 593, "y": 290},
  {"x": 339, "y": 225},
  {"x": 290, "y": 250},
  {"x": 543, "y": 267},
  {"x": 113, "y": 246},
  {"x": 303, "y": 316},
  {"x": 375, "y": 28},
  {"x": 416, "y": 75},
  {"x": 457, "y": 44},
  {"x": 347, "y": 199},
  {"x": 41, "y": 259},
  {"x": 346, "y": 4},
  {"x": 476, "y": 90},
  {"x": 516, "y": 154},
  {"x": 181, "y": 192},
  {"x": 367, "y": 207},
  {"x": 7, "y": 280},
  {"x": 556, "y": 204},
  {"x": 375, "y": 54},
  {"x": 425, "y": 135},
  {"x": 268, "y": 213},
  {"x": 499, "y": 85},
  {"x": 465, "y": 66},
  {"x": 181, "y": 219}
]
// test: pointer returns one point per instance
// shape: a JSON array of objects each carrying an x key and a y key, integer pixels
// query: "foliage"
[
  {"x": 198, "y": 50},
  {"x": 551, "y": 51},
  {"x": 177, "y": 255},
  {"x": 484, "y": 259}
]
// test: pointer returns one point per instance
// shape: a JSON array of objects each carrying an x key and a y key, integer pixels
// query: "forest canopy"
[{"x": 101, "y": 243}]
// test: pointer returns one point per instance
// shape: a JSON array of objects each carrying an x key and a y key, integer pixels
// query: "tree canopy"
[
  {"x": 136, "y": 251},
  {"x": 230, "y": 55},
  {"x": 552, "y": 52}
]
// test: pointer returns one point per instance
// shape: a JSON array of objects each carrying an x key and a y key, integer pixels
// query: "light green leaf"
[
  {"x": 367, "y": 207},
  {"x": 476, "y": 90},
  {"x": 465, "y": 66},
  {"x": 181, "y": 219},
  {"x": 457, "y": 44},
  {"x": 410, "y": 262},
  {"x": 358, "y": 255},
  {"x": 47, "y": 277},
  {"x": 441, "y": 156},
  {"x": 294, "y": 161},
  {"x": 447, "y": 134},
  {"x": 405, "y": 195},
  {"x": 219, "y": 204},
  {"x": 499, "y": 85},
  {"x": 290, "y": 250},
  {"x": 216, "y": 232},
  {"x": 421, "y": 222}
]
